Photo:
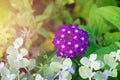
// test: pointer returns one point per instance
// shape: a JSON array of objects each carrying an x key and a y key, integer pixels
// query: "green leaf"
[
  {"x": 111, "y": 14},
  {"x": 44, "y": 33},
  {"x": 25, "y": 19},
  {"x": 67, "y": 16},
  {"x": 93, "y": 45},
  {"x": 27, "y": 5},
  {"x": 111, "y": 37},
  {"x": 77, "y": 21},
  {"x": 28, "y": 44},
  {"x": 97, "y": 23},
  {"x": 105, "y": 50},
  {"x": 46, "y": 14},
  {"x": 41, "y": 18},
  {"x": 101, "y": 3},
  {"x": 67, "y": 2},
  {"x": 48, "y": 10},
  {"x": 86, "y": 8}
]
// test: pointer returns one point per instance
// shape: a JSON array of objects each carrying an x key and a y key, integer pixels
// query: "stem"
[
  {"x": 18, "y": 77},
  {"x": 89, "y": 78},
  {"x": 27, "y": 70},
  {"x": 110, "y": 69}
]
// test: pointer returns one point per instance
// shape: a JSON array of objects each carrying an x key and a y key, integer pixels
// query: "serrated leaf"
[
  {"x": 105, "y": 50},
  {"x": 102, "y": 3},
  {"x": 111, "y": 37},
  {"x": 85, "y": 61},
  {"x": 97, "y": 23},
  {"x": 86, "y": 8},
  {"x": 105, "y": 12}
]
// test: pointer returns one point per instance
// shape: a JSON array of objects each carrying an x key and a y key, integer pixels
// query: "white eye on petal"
[
  {"x": 76, "y": 45},
  {"x": 70, "y": 51},
  {"x": 62, "y": 36},
  {"x": 69, "y": 32},
  {"x": 58, "y": 42},
  {"x": 76, "y": 30},
  {"x": 63, "y": 46},
  {"x": 81, "y": 49},
  {"x": 82, "y": 38},
  {"x": 63, "y": 30},
  {"x": 75, "y": 37},
  {"x": 69, "y": 43}
]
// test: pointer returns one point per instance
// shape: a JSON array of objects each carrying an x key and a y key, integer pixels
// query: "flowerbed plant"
[{"x": 82, "y": 44}]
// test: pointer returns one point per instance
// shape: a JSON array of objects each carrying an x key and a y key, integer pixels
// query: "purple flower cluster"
[{"x": 70, "y": 41}]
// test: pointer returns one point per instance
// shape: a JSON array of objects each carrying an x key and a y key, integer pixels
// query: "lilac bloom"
[
  {"x": 71, "y": 70},
  {"x": 106, "y": 74},
  {"x": 60, "y": 77}
]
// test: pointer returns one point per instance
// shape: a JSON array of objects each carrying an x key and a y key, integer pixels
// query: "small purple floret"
[{"x": 71, "y": 41}]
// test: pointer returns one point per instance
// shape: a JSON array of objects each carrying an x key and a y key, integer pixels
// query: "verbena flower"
[{"x": 71, "y": 41}]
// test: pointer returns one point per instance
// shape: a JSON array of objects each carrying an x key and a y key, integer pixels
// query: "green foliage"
[
  {"x": 100, "y": 18},
  {"x": 111, "y": 14},
  {"x": 91, "y": 66},
  {"x": 101, "y": 3}
]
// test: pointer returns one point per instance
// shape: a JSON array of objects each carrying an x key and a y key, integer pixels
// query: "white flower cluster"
[
  {"x": 63, "y": 69},
  {"x": 16, "y": 60},
  {"x": 91, "y": 67}
]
